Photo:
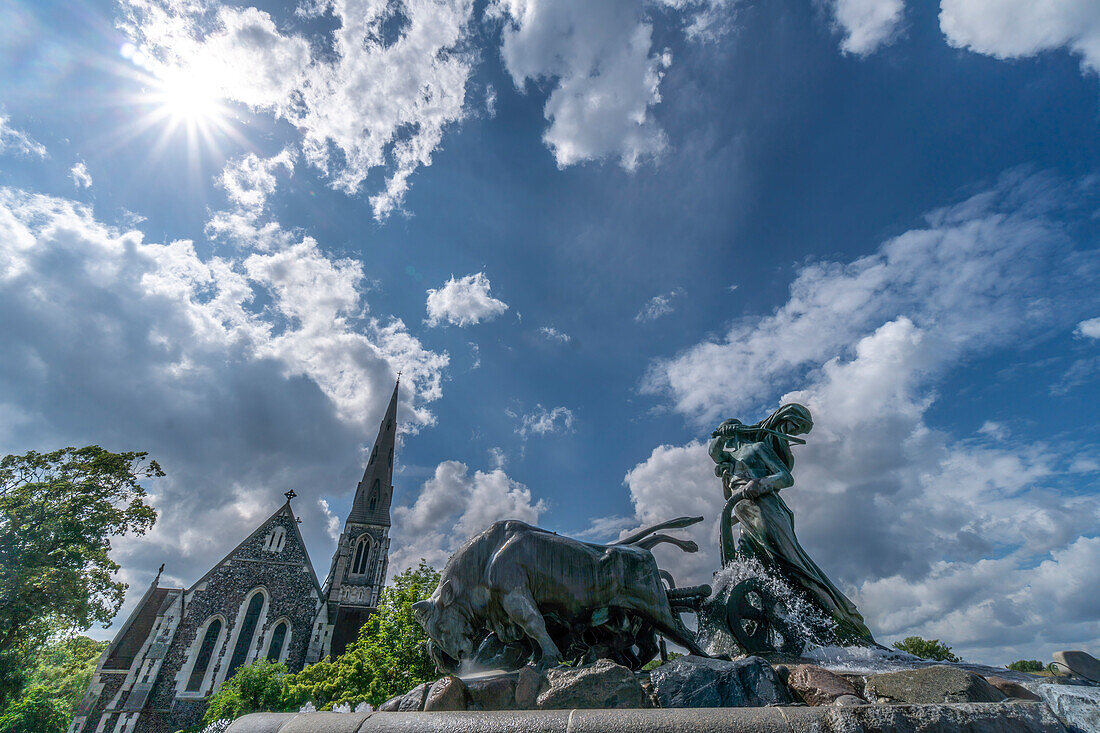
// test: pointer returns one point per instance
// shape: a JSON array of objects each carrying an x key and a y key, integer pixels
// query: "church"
[{"x": 262, "y": 601}]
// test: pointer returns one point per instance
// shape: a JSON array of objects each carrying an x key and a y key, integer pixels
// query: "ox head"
[{"x": 445, "y": 619}]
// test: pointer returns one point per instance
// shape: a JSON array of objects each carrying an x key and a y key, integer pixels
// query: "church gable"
[{"x": 259, "y": 602}]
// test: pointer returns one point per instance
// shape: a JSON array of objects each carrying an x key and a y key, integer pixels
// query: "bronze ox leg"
[{"x": 522, "y": 612}]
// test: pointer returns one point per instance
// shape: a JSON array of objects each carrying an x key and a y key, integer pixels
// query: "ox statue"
[{"x": 516, "y": 593}]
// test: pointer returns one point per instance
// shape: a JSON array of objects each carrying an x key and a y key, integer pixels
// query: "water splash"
[{"x": 808, "y": 623}]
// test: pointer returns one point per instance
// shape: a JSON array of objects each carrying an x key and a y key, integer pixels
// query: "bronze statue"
[
  {"x": 516, "y": 593},
  {"x": 755, "y": 463}
]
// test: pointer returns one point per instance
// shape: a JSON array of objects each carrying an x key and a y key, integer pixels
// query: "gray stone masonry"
[{"x": 1028, "y": 717}]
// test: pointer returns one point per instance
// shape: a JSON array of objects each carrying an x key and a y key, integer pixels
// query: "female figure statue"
[{"x": 754, "y": 463}]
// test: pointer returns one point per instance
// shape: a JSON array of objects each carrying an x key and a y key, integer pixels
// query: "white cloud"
[
  {"x": 250, "y": 179},
  {"x": 604, "y": 72},
  {"x": 658, "y": 305},
  {"x": 13, "y": 140},
  {"x": 80, "y": 175},
  {"x": 1019, "y": 28},
  {"x": 364, "y": 101},
  {"x": 964, "y": 538},
  {"x": 867, "y": 25},
  {"x": 498, "y": 458},
  {"x": 332, "y": 522},
  {"x": 954, "y": 277},
  {"x": 544, "y": 422},
  {"x": 463, "y": 302},
  {"x": 552, "y": 334},
  {"x": 1089, "y": 329},
  {"x": 451, "y": 507}
]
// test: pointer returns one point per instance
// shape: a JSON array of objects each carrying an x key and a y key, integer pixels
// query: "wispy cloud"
[
  {"x": 658, "y": 305},
  {"x": 80, "y": 176},
  {"x": 16, "y": 141},
  {"x": 542, "y": 421},
  {"x": 552, "y": 334}
]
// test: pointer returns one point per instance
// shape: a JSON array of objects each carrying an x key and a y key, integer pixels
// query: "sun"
[{"x": 185, "y": 97}]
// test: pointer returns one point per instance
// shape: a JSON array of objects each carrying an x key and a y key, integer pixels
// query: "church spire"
[
  {"x": 359, "y": 565},
  {"x": 375, "y": 491}
]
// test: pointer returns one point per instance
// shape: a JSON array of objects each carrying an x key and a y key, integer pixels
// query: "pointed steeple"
[
  {"x": 359, "y": 564},
  {"x": 374, "y": 493}
]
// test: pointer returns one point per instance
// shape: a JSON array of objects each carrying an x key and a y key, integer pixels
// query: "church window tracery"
[
  {"x": 247, "y": 633},
  {"x": 362, "y": 552},
  {"x": 202, "y": 659}
]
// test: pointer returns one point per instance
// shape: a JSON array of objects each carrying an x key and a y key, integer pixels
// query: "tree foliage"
[
  {"x": 54, "y": 686},
  {"x": 58, "y": 513},
  {"x": 389, "y": 657},
  {"x": 926, "y": 649},
  {"x": 1027, "y": 665},
  {"x": 259, "y": 687}
]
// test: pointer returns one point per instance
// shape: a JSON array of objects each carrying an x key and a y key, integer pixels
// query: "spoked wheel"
[{"x": 759, "y": 620}]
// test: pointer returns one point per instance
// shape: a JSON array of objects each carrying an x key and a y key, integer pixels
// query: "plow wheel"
[{"x": 759, "y": 620}]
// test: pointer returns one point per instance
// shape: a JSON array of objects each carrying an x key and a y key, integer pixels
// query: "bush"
[
  {"x": 257, "y": 688},
  {"x": 926, "y": 649},
  {"x": 390, "y": 656},
  {"x": 1027, "y": 665}
]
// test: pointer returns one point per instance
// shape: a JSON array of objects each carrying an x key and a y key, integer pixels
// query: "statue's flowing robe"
[{"x": 767, "y": 532}]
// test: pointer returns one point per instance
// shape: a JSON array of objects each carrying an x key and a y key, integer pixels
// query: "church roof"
[{"x": 374, "y": 492}]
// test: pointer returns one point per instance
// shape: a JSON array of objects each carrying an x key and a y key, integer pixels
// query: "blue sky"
[{"x": 586, "y": 233}]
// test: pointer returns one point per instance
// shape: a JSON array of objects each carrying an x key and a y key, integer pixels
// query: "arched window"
[
  {"x": 202, "y": 659},
  {"x": 373, "y": 455},
  {"x": 278, "y": 638},
  {"x": 391, "y": 457},
  {"x": 247, "y": 633},
  {"x": 362, "y": 550}
]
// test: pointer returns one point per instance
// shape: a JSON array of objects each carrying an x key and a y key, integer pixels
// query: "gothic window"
[
  {"x": 276, "y": 538},
  {"x": 278, "y": 639},
  {"x": 391, "y": 457},
  {"x": 362, "y": 550},
  {"x": 202, "y": 659},
  {"x": 373, "y": 455},
  {"x": 247, "y": 633}
]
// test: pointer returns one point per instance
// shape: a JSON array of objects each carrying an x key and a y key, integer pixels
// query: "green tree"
[
  {"x": 389, "y": 657},
  {"x": 58, "y": 513},
  {"x": 926, "y": 649},
  {"x": 35, "y": 711},
  {"x": 1027, "y": 665},
  {"x": 259, "y": 687}
]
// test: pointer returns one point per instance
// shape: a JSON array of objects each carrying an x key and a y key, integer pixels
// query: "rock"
[
  {"x": 1012, "y": 689},
  {"x": 1077, "y": 706},
  {"x": 936, "y": 684},
  {"x": 1079, "y": 663},
  {"x": 446, "y": 693},
  {"x": 413, "y": 700},
  {"x": 493, "y": 693},
  {"x": 528, "y": 685},
  {"x": 697, "y": 682},
  {"x": 391, "y": 705},
  {"x": 817, "y": 686},
  {"x": 783, "y": 671},
  {"x": 600, "y": 685},
  {"x": 846, "y": 701}
]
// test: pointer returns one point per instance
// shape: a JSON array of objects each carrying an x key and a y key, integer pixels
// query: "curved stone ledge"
[{"x": 1030, "y": 717}]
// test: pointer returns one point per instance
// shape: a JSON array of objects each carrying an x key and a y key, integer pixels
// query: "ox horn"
[{"x": 422, "y": 607}]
